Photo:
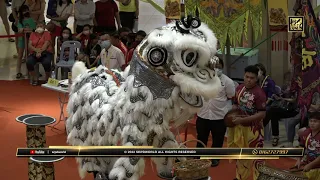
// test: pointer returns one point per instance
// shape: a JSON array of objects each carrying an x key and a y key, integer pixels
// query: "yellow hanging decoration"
[{"x": 229, "y": 18}]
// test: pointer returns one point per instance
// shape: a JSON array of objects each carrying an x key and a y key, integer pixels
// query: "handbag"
[
  {"x": 285, "y": 105},
  {"x": 11, "y": 18}
]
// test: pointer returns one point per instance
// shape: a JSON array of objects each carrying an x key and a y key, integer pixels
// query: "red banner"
[{"x": 310, "y": 66}]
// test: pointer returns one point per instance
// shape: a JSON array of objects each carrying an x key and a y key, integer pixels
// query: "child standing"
[
  {"x": 25, "y": 25},
  {"x": 310, "y": 140}
]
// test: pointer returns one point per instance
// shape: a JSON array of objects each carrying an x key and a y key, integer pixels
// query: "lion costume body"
[{"x": 168, "y": 79}]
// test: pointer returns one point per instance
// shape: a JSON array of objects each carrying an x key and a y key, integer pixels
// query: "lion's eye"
[
  {"x": 189, "y": 57},
  {"x": 157, "y": 56}
]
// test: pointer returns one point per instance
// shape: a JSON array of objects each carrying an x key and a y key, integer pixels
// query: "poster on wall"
[
  {"x": 173, "y": 9},
  {"x": 310, "y": 64},
  {"x": 278, "y": 12}
]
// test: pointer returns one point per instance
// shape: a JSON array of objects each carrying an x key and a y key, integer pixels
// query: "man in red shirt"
[
  {"x": 106, "y": 13},
  {"x": 115, "y": 40}
]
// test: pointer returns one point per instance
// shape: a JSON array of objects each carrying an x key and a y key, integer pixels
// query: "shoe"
[
  {"x": 214, "y": 163},
  {"x": 11, "y": 40},
  {"x": 275, "y": 141},
  {"x": 35, "y": 83},
  {"x": 19, "y": 76}
]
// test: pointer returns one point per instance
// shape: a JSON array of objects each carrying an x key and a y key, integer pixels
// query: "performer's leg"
[
  {"x": 218, "y": 130},
  {"x": 131, "y": 168},
  {"x": 164, "y": 140},
  {"x": 243, "y": 169},
  {"x": 203, "y": 131},
  {"x": 256, "y": 140}
]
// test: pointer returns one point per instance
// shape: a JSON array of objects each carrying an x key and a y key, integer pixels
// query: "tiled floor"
[{"x": 149, "y": 19}]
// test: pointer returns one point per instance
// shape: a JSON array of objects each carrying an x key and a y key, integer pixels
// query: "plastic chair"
[{"x": 73, "y": 46}]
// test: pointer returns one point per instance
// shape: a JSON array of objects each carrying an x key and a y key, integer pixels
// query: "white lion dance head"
[
  {"x": 169, "y": 76},
  {"x": 179, "y": 55}
]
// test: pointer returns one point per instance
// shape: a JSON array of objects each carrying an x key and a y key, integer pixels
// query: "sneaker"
[
  {"x": 214, "y": 163},
  {"x": 34, "y": 83},
  {"x": 15, "y": 56}
]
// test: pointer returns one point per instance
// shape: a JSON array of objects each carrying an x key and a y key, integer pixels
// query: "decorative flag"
[{"x": 310, "y": 56}]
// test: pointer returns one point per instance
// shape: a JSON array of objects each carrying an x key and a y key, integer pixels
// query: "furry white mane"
[{"x": 168, "y": 79}]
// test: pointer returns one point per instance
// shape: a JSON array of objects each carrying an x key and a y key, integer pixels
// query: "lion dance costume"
[{"x": 168, "y": 79}]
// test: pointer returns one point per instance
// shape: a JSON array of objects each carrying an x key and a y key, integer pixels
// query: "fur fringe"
[
  {"x": 77, "y": 69},
  {"x": 82, "y": 172}
]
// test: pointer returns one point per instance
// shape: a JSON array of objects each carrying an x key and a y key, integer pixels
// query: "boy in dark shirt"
[
  {"x": 310, "y": 140},
  {"x": 95, "y": 50}
]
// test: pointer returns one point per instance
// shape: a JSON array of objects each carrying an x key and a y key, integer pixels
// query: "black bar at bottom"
[
  {"x": 154, "y": 152},
  {"x": 159, "y": 152}
]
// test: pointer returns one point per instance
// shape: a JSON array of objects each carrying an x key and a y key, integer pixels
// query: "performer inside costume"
[
  {"x": 168, "y": 79},
  {"x": 251, "y": 100}
]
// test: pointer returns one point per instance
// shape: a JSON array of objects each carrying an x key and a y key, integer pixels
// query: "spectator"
[
  {"x": 84, "y": 38},
  {"x": 25, "y": 25},
  {"x": 266, "y": 83},
  {"x": 140, "y": 35},
  {"x": 128, "y": 13},
  {"x": 115, "y": 40},
  {"x": 37, "y": 10},
  {"x": 94, "y": 53},
  {"x": 111, "y": 56},
  {"x": 123, "y": 33},
  {"x": 15, "y": 6},
  {"x": 63, "y": 12},
  {"x": 106, "y": 13},
  {"x": 3, "y": 16},
  {"x": 84, "y": 11},
  {"x": 282, "y": 107},
  {"x": 66, "y": 35},
  {"x": 211, "y": 116},
  {"x": 41, "y": 51}
]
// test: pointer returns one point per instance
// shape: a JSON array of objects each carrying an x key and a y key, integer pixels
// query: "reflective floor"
[{"x": 149, "y": 19}]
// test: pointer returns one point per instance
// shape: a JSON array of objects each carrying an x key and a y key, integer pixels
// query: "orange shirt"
[
  {"x": 129, "y": 56},
  {"x": 123, "y": 48},
  {"x": 38, "y": 40}
]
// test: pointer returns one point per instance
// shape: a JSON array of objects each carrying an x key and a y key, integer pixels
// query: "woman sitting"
[
  {"x": 41, "y": 51},
  {"x": 281, "y": 108}
]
